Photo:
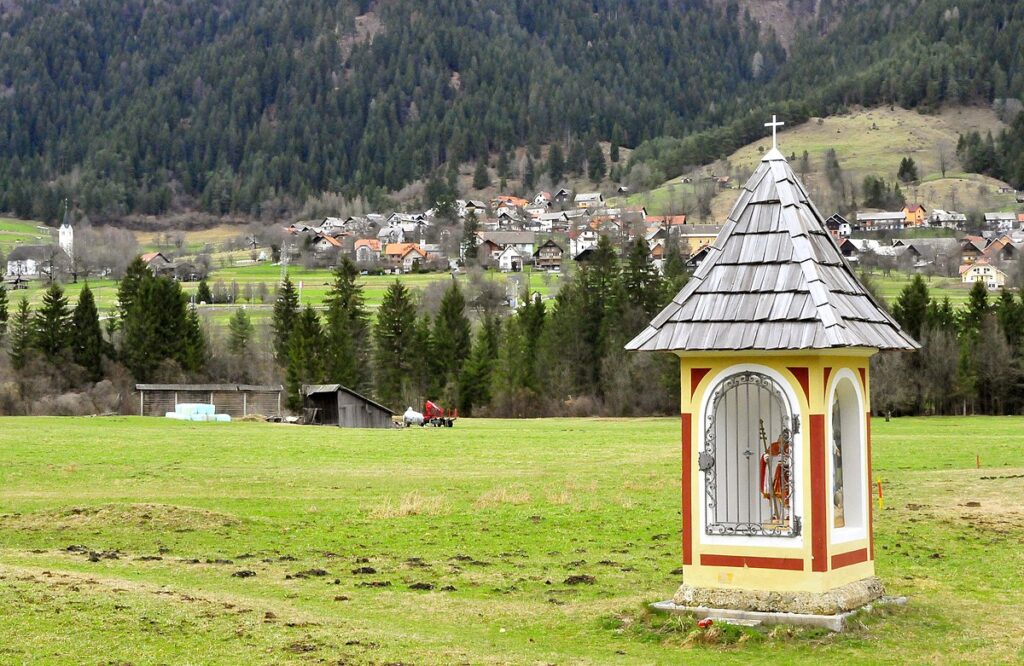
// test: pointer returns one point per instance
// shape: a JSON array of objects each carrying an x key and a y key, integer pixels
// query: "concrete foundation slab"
[{"x": 749, "y": 618}]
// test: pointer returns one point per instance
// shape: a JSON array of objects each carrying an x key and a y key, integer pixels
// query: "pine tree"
[
  {"x": 470, "y": 227},
  {"x": 21, "y": 334},
  {"x": 203, "y": 294},
  {"x": 346, "y": 353},
  {"x": 195, "y": 343},
  {"x": 556, "y": 163},
  {"x": 641, "y": 281},
  {"x": 3, "y": 311},
  {"x": 972, "y": 317},
  {"x": 577, "y": 156},
  {"x": 393, "y": 337},
  {"x": 286, "y": 311},
  {"x": 529, "y": 174},
  {"x": 239, "y": 332},
  {"x": 87, "y": 343},
  {"x": 305, "y": 364},
  {"x": 478, "y": 371},
  {"x": 128, "y": 288},
  {"x": 907, "y": 172},
  {"x": 481, "y": 179},
  {"x": 596, "y": 166},
  {"x": 911, "y": 307},
  {"x": 450, "y": 338},
  {"x": 50, "y": 326}
]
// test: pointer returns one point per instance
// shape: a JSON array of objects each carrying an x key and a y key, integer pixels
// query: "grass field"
[
  {"x": 20, "y": 232},
  {"x": 126, "y": 539}
]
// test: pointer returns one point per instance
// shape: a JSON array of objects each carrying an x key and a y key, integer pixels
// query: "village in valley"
[{"x": 363, "y": 332}]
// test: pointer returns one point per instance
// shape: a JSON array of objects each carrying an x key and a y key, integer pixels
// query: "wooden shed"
[
  {"x": 334, "y": 404},
  {"x": 236, "y": 400}
]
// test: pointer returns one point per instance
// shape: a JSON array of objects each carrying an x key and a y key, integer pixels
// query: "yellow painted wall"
[{"x": 816, "y": 402}]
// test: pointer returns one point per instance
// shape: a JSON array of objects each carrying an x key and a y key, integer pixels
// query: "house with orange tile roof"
[{"x": 367, "y": 250}]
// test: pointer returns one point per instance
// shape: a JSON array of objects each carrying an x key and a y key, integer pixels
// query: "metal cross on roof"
[{"x": 775, "y": 124}]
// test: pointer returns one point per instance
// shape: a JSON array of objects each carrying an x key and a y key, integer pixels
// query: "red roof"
[
  {"x": 371, "y": 243},
  {"x": 913, "y": 208}
]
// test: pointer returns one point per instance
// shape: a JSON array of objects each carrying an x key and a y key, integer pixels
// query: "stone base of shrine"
[{"x": 829, "y": 610}]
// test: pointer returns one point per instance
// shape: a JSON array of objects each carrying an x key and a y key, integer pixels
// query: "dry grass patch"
[
  {"x": 502, "y": 495},
  {"x": 412, "y": 504},
  {"x": 560, "y": 497},
  {"x": 162, "y": 516}
]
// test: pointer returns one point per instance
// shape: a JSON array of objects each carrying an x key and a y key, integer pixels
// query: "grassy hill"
[
  {"x": 867, "y": 142},
  {"x": 126, "y": 539}
]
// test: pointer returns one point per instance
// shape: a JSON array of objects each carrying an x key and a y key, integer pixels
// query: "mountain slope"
[
  {"x": 866, "y": 142},
  {"x": 251, "y": 107}
]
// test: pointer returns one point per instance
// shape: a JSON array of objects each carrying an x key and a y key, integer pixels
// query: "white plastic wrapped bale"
[{"x": 412, "y": 417}]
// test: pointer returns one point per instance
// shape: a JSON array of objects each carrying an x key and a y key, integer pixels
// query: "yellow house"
[
  {"x": 774, "y": 334},
  {"x": 982, "y": 271},
  {"x": 916, "y": 215},
  {"x": 697, "y": 236}
]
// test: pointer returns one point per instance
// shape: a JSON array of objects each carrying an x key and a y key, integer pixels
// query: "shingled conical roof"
[{"x": 774, "y": 279}]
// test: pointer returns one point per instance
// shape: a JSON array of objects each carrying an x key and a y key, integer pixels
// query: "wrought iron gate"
[{"x": 748, "y": 458}]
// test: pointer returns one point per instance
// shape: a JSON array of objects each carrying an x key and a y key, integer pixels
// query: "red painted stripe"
[
  {"x": 828, "y": 373},
  {"x": 687, "y": 489},
  {"x": 801, "y": 376},
  {"x": 871, "y": 505},
  {"x": 863, "y": 378},
  {"x": 784, "y": 563},
  {"x": 819, "y": 528},
  {"x": 697, "y": 374},
  {"x": 852, "y": 557}
]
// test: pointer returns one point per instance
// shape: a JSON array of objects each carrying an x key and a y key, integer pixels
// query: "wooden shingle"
[{"x": 774, "y": 279}]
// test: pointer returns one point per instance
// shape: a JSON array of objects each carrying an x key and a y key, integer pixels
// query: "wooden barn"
[
  {"x": 236, "y": 400},
  {"x": 334, "y": 404}
]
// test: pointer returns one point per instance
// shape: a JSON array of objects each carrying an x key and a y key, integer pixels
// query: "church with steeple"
[{"x": 66, "y": 233}]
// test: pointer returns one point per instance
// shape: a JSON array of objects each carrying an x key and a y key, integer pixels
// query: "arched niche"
[
  {"x": 747, "y": 458},
  {"x": 847, "y": 476}
]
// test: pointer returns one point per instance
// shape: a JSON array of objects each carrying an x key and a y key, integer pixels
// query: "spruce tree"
[
  {"x": 194, "y": 358},
  {"x": 450, "y": 338},
  {"x": 3, "y": 311},
  {"x": 394, "y": 335},
  {"x": 305, "y": 365},
  {"x": 596, "y": 166},
  {"x": 21, "y": 334},
  {"x": 641, "y": 281},
  {"x": 87, "y": 343},
  {"x": 203, "y": 294},
  {"x": 286, "y": 311},
  {"x": 556, "y": 164},
  {"x": 239, "y": 332},
  {"x": 478, "y": 371},
  {"x": 127, "y": 290},
  {"x": 529, "y": 174},
  {"x": 346, "y": 354},
  {"x": 51, "y": 334},
  {"x": 911, "y": 307},
  {"x": 481, "y": 179},
  {"x": 470, "y": 227}
]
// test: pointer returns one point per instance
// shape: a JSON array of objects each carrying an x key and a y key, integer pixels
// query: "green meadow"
[{"x": 143, "y": 541}]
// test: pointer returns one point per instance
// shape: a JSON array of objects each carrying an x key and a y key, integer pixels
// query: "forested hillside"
[{"x": 251, "y": 107}]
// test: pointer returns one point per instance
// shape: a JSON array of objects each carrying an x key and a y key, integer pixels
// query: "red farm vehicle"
[{"x": 433, "y": 414}]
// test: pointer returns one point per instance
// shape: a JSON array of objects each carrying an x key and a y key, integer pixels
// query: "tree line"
[
  {"x": 971, "y": 360},
  {"x": 545, "y": 358}
]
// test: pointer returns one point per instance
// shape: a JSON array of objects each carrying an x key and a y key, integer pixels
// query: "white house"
[
  {"x": 982, "y": 271},
  {"x": 510, "y": 261},
  {"x": 583, "y": 240},
  {"x": 27, "y": 260},
  {"x": 522, "y": 241},
  {"x": 589, "y": 200},
  {"x": 1000, "y": 221},
  {"x": 391, "y": 234},
  {"x": 881, "y": 220}
]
